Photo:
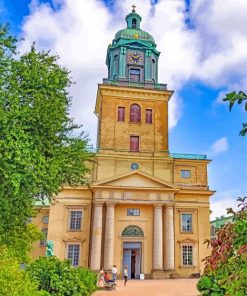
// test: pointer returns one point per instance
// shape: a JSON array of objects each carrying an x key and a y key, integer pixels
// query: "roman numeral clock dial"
[{"x": 135, "y": 57}]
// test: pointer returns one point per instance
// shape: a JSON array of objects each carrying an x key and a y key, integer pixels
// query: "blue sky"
[{"x": 203, "y": 56}]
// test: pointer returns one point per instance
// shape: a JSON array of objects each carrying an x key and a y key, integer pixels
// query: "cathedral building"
[{"x": 144, "y": 207}]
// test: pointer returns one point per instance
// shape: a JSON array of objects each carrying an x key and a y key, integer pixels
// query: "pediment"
[
  {"x": 74, "y": 239},
  {"x": 136, "y": 179},
  {"x": 187, "y": 241},
  {"x": 136, "y": 43}
]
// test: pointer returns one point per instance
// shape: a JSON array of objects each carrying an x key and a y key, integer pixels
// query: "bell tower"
[
  {"x": 132, "y": 57},
  {"x": 132, "y": 107}
]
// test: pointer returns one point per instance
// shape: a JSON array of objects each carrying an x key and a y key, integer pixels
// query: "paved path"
[{"x": 176, "y": 287}]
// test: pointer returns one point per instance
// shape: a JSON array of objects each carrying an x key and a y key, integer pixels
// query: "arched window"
[
  {"x": 135, "y": 113},
  {"x": 132, "y": 230},
  {"x": 134, "y": 23}
]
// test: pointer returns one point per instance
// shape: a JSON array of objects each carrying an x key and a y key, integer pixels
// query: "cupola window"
[
  {"x": 135, "y": 113},
  {"x": 135, "y": 75},
  {"x": 134, "y": 23}
]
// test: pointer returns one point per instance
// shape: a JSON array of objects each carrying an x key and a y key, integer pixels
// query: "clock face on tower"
[{"x": 135, "y": 57}]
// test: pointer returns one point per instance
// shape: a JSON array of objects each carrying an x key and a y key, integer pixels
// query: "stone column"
[
  {"x": 95, "y": 255},
  {"x": 169, "y": 238},
  {"x": 158, "y": 238},
  {"x": 109, "y": 236}
]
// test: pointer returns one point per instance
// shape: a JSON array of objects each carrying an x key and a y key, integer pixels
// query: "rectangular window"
[
  {"x": 186, "y": 222},
  {"x": 121, "y": 113},
  {"x": 185, "y": 174},
  {"x": 149, "y": 118},
  {"x": 135, "y": 75},
  {"x": 187, "y": 255},
  {"x": 134, "y": 143},
  {"x": 43, "y": 240},
  {"x": 75, "y": 220},
  {"x": 74, "y": 254},
  {"x": 133, "y": 212}
]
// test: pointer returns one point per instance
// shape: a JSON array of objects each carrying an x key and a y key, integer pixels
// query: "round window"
[
  {"x": 45, "y": 219},
  {"x": 134, "y": 166}
]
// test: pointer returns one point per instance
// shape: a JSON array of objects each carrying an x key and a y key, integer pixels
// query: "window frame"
[
  {"x": 118, "y": 118},
  {"x": 134, "y": 136},
  {"x": 139, "y": 75},
  {"x": 185, "y": 176},
  {"x": 79, "y": 253},
  {"x": 138, "y": 212},
  {"x": 181, "y": 222},
  {"x": 146, "y": 117},
  {"x": 187, "y": 245},
  {"x": 70, "y": 217},
  {"x": 139, "y": 119}
]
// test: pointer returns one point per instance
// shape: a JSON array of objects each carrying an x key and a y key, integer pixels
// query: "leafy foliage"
[
  {"x": 39, "y": 148},
  {"x": 226, "y": 268},
  {"x": 13, "y": 280},
  {"x": 239, "y": 97},
  {"x": 60, "y": 278},
  {"x": 89, "y": 279}
]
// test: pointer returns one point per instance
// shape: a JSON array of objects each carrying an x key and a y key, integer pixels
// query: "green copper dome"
[
  {"x": 130, "y": 33},
  {"x": 133, "y": 30}
]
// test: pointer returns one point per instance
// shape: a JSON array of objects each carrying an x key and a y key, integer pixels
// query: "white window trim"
[
  {"x": 181, "y": 222},
  {"x": 67, "y": 252},
  {"x": 82, "y": 210},
  {"x": 194, "y": 254}
]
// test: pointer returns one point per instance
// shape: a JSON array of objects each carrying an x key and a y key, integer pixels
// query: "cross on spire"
[{"x": 133, "y": 8}]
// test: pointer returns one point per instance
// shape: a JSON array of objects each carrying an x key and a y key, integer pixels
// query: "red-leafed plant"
[{"x": 225, "y": 270}]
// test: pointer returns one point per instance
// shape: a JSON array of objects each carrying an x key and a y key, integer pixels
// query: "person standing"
[
  {"x": 125, "y": 274},
  {"x": 101, "y": 277},
  {"x": 114, "y": 273}
]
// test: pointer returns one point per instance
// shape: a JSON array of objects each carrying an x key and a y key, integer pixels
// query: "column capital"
[
  {"x": 158, "y": 205},
  {"x": 98, "y": 203},
  {"x": 111, "y": 203},
  {"x": 169, "y": 205}
]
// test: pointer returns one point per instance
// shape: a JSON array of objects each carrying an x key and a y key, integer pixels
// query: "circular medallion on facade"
[{"x": 134, "y": 166}]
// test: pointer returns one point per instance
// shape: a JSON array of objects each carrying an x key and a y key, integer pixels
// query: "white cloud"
[
  {"x": 219, "y": 207},
  {"x": 219, "y": 146},
  {"x": 213, "y": 50}
]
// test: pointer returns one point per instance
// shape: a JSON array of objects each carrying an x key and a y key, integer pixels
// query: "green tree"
[
  {"x": 240, "y": 98},
  {"x": 13, "y": 280},
  {"x": 40, "y": 150}
]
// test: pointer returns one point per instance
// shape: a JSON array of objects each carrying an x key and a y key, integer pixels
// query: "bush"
[
  {"x": 13, "y": 280},
  {"x": 60, "y": 278},
  {"x": 208, "y": 286},
  {"x": 89, "y": 278}
]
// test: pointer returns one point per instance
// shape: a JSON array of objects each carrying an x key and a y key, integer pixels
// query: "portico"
[{"x": 124, "y": 194}]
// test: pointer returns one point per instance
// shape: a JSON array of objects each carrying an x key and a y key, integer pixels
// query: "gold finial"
[{"x": 133, "y": 8}]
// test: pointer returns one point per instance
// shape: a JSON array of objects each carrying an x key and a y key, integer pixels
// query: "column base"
[
  {"x": 170, "y": 274},
  {"x": 163, "y": 274},
  {"x": 158, "y": 274}
]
